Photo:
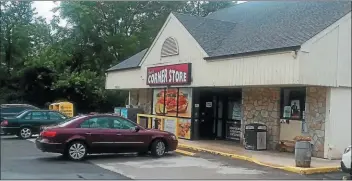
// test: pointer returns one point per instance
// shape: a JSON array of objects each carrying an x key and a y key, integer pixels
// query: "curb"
[
  {"x": 304, "y": 171},
  {"x": 185, "y": 152}
]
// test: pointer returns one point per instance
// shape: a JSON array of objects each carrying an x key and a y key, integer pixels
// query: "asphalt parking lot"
[{"x": 21, "y": 160}]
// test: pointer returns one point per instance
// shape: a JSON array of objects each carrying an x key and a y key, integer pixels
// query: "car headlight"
[
  {"x": 348, "y": 149},
  {"x": 173, "y": 137}
]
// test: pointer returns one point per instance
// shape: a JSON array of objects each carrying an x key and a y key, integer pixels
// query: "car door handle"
[
  {"x": 88, "y": 133},
  {"x": 118, "y": 134}
]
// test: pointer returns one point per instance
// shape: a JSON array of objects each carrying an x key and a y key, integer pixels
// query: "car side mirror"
[{"x": 137, "y": 128}]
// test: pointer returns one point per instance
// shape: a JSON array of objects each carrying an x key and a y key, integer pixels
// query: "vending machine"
[
  {"x": 117, "y": 110},
  {"x": 128, "y": 113}
]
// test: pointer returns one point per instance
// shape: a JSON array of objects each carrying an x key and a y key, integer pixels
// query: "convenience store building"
[{"x": 283, "y": 64}]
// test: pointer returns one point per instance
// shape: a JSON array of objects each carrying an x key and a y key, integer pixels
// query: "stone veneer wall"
[
  {"x": 315, "y": 114},
  {"x": 262, "y": 105},
  {"x": 142, "y": 98}
]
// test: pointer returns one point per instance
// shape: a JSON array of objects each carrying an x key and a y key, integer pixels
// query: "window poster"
[
  {"x": 236, "y": 111},
  {"x": 184, "y": 128},
  {"x": 158, "y": 101},
  {"x": 171, "y": 102},
  {"x": 170, "y": 125},
  {"x": 287, "y": 112},
  {"x": 295, "y": 109},
  {"x": 184, "y": 102}
]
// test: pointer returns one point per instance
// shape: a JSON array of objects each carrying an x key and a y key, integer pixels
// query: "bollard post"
[
  {"x": 149, "y": 122},
  {"x": 176, "y": 133},
  {"x": 162, "y": 124},
  {"x": 138, "y": 120}
]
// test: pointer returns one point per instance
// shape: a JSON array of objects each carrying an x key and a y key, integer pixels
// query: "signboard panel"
[{"x": 177, "y": 74}]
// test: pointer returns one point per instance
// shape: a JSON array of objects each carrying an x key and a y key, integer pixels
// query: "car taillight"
[
  {"x": 48, "y": 134},
  {"x": 4, "y": 123}
]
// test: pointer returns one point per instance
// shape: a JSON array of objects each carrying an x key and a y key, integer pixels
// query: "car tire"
[
  {"x": 25, "y": 133},
  {"x": 76, "y": 151},
  {"x": 158, "y": 148}
]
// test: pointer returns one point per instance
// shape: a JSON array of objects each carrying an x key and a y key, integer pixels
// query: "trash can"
[
  {"x": 303, "y": 154},
  {"x": 255, "y": 136}
]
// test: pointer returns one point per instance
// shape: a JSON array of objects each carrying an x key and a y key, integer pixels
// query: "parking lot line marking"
[{"x": 185, "y": 152}]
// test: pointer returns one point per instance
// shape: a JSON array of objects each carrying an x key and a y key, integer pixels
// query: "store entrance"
[
  {"x": 219, "y": 113},
  {"x": 206, "y": 115}
]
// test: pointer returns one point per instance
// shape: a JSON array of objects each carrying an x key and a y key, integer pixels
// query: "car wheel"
[
  {"x": 158, "y": 148},
  {"x": 25, "y": 133},
  {"x": 76, "y": 151}
]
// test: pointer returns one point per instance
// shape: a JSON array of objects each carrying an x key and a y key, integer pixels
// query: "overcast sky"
[{"x": 44, "y": 8}]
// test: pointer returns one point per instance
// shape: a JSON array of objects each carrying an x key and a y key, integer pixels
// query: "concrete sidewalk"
[{"x": 279, "y": 160}]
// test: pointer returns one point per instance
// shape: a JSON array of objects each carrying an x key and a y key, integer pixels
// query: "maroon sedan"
[{"x": 89, "y": 134}]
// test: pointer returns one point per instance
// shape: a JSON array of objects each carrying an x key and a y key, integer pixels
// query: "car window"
[
  {"x": 23, "y": 113},
  {"x": 69, "y": 121},
  {"x": 120, "y": 123},
  {"x": 99, "y": 122},
  {"x": 55, "y": 116},
  {"x": 28, "y": 116},
  {"x": 39, "y": 116}
]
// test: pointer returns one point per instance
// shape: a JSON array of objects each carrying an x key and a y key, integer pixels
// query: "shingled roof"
[
  {"x": 131, "y": 62},
  {"x": 262, "y": 25},
  {"x": 258, "y": 26}
]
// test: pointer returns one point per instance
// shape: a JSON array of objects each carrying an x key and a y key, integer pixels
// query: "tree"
[
  {"x": 43, "y": 62},
  {"x": 16, "y": 34}
]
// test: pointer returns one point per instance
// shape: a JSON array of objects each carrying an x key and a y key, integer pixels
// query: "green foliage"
[{"x": 43, "y": 62}]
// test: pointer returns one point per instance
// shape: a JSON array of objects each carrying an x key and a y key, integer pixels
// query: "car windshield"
[{"x": 69, "y": 121}]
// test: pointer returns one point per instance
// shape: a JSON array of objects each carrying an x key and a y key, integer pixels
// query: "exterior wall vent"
[{"x": 169, "y": 48}]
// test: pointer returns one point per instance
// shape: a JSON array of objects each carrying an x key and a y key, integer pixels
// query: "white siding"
[
  {"x": 125, "y": 79},
  {"x": 338, "y": 122},
  {"x": 326, "y": 59},
  {"x": 264, "y": 69}
]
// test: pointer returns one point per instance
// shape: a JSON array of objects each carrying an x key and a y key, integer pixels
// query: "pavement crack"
[{"x": 81, "y": 177}]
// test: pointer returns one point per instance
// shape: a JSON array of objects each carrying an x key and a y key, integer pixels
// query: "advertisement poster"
[
  {"x": 236, "y": 111},
  {"x": 184, "y": 128},
  {"x": 170, "y": 125},
  {"x": 295, "y": 109},
  {"x": 158, "y": 100},
  {"x": 171, "y": 102},
  {"x": 185, "y": 102},
  {"x": 168, "y": 102},
  {"x": 287, "y": 112}
]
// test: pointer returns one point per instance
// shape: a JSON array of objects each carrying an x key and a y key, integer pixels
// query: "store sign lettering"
[{"x": 169, "y": 75}]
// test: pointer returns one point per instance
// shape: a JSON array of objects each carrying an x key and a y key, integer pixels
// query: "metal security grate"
[{"x": 169, "y": 47}]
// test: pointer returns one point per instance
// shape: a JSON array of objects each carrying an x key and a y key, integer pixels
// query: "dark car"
[
  {"x": 11, "y": 110},
  {"x": 29, "y": 122},
  {"x": 103, "y": 134}
]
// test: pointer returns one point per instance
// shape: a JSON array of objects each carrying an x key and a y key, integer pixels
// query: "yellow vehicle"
[{"x": 64, "y": 107}]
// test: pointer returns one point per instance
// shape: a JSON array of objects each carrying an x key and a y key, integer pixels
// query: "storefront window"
[
  {"x": 173, "y": 102},
  {"x": 292, "y": 103},
  {"x": 159, "y": 101}
]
